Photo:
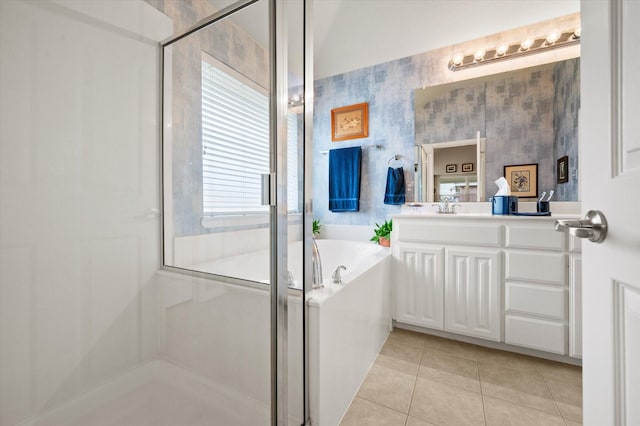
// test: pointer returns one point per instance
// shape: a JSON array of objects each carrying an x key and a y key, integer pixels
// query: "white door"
[{"x": 610, "y": 155}]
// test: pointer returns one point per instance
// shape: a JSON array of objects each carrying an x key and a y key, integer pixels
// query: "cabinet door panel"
[
  {"x": 472, "y": 293},
  {"x": 419, "y": 287}
]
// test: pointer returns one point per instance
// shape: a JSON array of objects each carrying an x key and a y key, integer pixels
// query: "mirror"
[{"x": 526, "y": 116}]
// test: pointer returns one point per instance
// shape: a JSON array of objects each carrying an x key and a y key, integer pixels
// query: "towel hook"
[{"x": 396, "y": 157}]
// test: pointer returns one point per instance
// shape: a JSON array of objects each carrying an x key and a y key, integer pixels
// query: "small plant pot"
[{"x": 384, "y": 242}]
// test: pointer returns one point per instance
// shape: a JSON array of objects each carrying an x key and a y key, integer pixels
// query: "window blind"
[{"x": 235, "y": 144}]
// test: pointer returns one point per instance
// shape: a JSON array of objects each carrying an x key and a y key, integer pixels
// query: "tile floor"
[{"x": 420, "y": 380}]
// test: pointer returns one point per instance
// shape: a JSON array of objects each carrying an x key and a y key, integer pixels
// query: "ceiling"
[{"x": 353, "y": 34}]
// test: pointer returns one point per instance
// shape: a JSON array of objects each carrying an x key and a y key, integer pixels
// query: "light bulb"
[
  {"x": 458, "y": 58},
  {"x": 479, "y": 55},
  {"x": 553, "y": 37},
  {"x": 502, "y": 49},
  {"x": 525, "y": 45}
]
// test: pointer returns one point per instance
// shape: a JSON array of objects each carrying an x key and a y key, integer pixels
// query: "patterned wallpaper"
[
  {"x": 517, "y": 120},
  {"x": 566, "y": 114}
]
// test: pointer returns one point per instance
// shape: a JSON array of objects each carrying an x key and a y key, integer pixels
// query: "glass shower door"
[{"x": 232, "y": 151}]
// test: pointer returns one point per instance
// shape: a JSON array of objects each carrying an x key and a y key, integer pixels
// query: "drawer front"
[
  {"x": 538, "y": 300},
  {"x": 548, "y": 268},
  {"x": 532, "y": 333},
  {"x": 485, "y": 234},
  {"x": 534, "y": 236}
]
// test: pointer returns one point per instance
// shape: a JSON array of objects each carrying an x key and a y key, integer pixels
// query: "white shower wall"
[{"x": 79, "y": 177}]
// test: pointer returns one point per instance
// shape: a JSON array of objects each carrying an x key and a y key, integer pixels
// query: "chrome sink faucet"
[
  {"x": 446, "y": 208},
  {"x": 316, "y": 269}
]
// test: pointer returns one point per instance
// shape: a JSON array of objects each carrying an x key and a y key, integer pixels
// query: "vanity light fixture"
[{"x": 553, "y": 40}]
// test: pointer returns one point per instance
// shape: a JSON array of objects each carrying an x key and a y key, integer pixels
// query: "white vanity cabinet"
[
  {"x": 536, "y": 286},
  {"x": 444, "y": 283},
  {"x": 507, "y": 279}
]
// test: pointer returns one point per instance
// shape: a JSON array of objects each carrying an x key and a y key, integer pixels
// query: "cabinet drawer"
[
  {"x": 538, "y": 300},
  {"x": 548, "y": 268},
  {"x": 532, "y": 333},
  {"x": 532, "y": 235},
  {"x": 447, "y": 232}
]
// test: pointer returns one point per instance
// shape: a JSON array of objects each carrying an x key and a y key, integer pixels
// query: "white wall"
[
  {"x": 353, "y": 34},
  {"x": 79, "y": 173}
]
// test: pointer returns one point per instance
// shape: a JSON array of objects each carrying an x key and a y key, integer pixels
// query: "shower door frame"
[{"x": 278, "y": 215}]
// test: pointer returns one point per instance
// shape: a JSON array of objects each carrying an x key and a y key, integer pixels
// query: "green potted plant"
[
  {"x": 383, "y": 233},
  {"x": 316, "y": 227}
]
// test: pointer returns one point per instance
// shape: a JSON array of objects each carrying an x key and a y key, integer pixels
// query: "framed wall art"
[
  {"x": 523, "y": 180},
  {"x": 451, "y": 168},
  {"x": 350, "y": 122},
  {"x": 562, "y": 171},
  {"x": 467, "y": 167}
]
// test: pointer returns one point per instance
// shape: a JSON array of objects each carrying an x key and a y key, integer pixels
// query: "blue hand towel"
[
  {"x": 344, "y": 179},
  {"x": 394, "y": 193}
]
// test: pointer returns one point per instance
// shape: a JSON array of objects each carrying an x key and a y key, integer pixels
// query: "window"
[{"x": 235, "y": 143}]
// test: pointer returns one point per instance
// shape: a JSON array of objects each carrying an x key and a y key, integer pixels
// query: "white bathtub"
[
  {"x": 348, "y": 322},
  {"x": 356, "y": 256}
]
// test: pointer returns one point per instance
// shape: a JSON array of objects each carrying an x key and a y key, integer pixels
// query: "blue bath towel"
[
  {"x": 394, "y": 193},
  {"x": 344, "y": 179}
]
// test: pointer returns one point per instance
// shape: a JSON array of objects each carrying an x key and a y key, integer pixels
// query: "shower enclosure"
[{"x": 143, "y": 282}]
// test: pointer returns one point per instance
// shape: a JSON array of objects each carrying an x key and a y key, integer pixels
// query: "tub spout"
[
  {"x": 337, "y": 278},
  {"x": 316, "y": 271}
]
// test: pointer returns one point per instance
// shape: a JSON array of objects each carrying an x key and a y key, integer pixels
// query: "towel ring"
[{"x": 396, "y": 157}]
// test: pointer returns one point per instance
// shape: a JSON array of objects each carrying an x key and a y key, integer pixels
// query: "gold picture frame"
[
  {"x": 523, "y": 180},
  {"x": 350, "y": 122}
]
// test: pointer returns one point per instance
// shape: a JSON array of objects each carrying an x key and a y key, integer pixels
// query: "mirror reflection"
[{"x": 527, "y": 116}]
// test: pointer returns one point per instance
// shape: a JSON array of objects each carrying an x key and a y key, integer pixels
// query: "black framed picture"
[
  {"x": 562, "y": 171},
  {"x": 451, "y": 168},
  {"x": 467, "y": 167}
]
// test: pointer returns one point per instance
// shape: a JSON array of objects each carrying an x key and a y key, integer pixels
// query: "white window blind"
[{"x": 235, "y": 143}]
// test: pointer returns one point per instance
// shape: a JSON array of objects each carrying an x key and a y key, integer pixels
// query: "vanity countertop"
[
  {"x": 484, "y": 216},
  {"x": 482, "y": 210}
]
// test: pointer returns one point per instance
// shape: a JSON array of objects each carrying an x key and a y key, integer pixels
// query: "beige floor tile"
[
  {"x": 528, "y": 389},
  {"x": 568, "y": 396},
  {"x": 367, "y": 413},
  {"x": 503, "y": 413},
  {"x": 388, "y": 387},
  {"x": 412, "y": 421},
  {"x": 562, "y": 372},
  {"x": 402, "y": 351},
  {"x": 408, "y": 337},
  {"x": 454, "y": 347},
  {"x": 446, "y": 405},
  {"x": 570, "y": 412},
  {"x": 397, "y": 364},
  {"x": 507, "y": 359},
  {"x": 572, "y": 423},
  {"x": 449, "y": 369}
]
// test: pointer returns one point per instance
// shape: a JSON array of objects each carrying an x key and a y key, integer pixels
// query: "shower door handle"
[{"x": 268, "y": 190}]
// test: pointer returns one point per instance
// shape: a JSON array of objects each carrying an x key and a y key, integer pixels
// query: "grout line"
[
  {"x": 553, "y": 398},
  {"x": 415, "y": 383},
  {"x": 377, "y": 403}
]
